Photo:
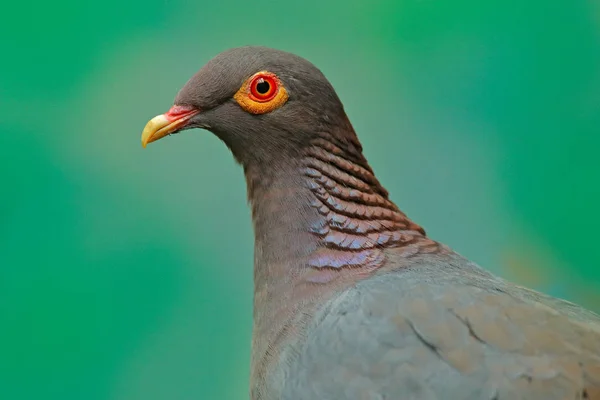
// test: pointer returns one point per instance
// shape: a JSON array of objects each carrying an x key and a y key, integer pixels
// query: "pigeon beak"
[{"x": 165, "y": 124}]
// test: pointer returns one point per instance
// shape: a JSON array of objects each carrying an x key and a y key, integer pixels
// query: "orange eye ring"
[
  {"x": 263, "y": 88},
  {"x": 261, "y": 93}
]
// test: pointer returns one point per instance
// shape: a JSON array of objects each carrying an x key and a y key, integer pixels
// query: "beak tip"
[{"x": 156, "y": 128}]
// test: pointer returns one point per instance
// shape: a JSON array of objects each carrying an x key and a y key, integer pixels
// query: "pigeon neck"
[
  {"x": 322, "y": 222},
  {"x": 322, "y": 214}
]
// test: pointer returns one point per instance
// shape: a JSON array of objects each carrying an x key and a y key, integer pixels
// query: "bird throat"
[
  {"x": 322, "y": 222},
  {"x": 324, "y": 213}
]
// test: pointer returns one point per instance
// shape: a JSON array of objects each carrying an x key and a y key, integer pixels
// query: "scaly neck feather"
[
  {"x": 323, "y": 212},
  {"x": 322, "y": 221}
]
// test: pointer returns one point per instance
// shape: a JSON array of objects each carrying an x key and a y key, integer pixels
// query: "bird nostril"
[{"x": 178, "y": 112}]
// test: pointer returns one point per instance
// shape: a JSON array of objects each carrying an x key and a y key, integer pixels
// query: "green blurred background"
[{"x": 481, "y": 118}]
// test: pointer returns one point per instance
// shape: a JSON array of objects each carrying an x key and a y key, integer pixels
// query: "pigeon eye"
[
  {"x": 261, "y": 93},
  {"x": 263, "y": 88}
]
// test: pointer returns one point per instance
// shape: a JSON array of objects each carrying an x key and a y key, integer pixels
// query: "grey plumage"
[{"x": 445, "y": 329}]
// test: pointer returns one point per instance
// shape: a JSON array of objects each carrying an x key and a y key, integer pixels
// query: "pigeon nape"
[{"x": 352, "y": 299}]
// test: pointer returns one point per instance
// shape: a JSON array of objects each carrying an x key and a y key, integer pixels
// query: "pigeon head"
[{"x": 261, "y": 102}]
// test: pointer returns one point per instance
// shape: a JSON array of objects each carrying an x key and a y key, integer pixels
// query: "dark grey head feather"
[{"x": 312, "y": 107}]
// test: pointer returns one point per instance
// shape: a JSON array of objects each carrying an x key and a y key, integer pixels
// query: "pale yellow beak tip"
[{"x": 155, "y": 129}]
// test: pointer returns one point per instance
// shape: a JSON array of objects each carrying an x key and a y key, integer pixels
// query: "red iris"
[{"x": 263, "y": 88}]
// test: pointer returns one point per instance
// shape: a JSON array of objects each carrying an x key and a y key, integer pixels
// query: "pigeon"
[{"x": 352, "y": 299}]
